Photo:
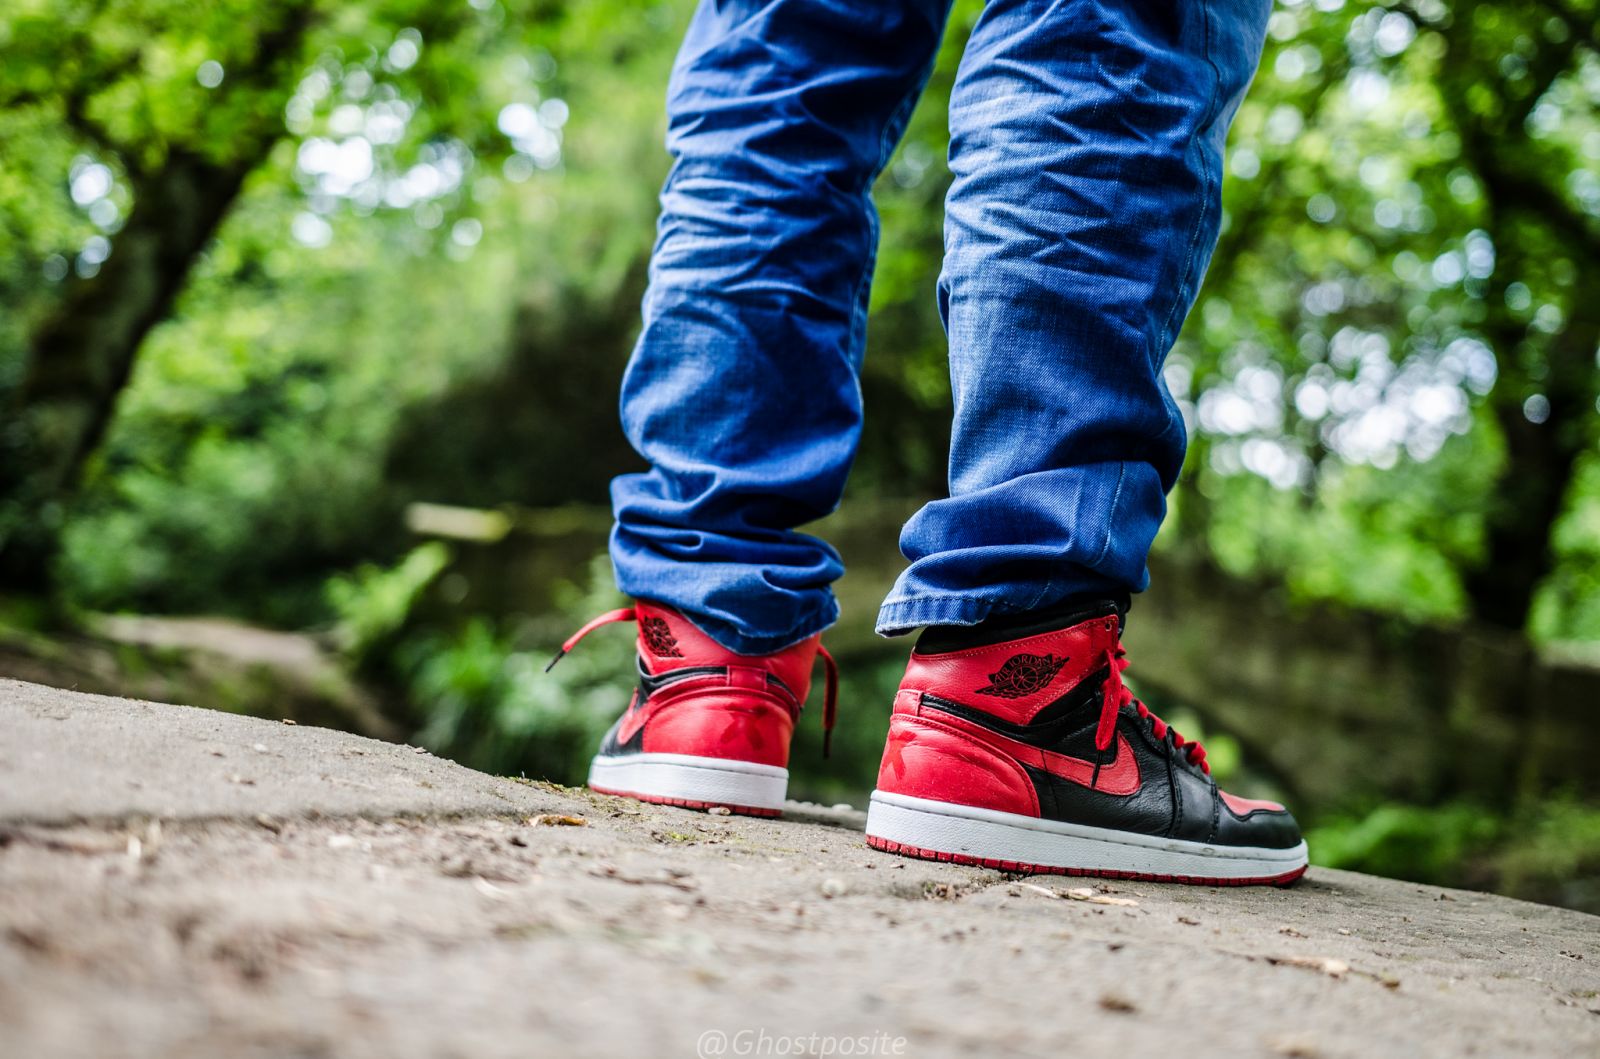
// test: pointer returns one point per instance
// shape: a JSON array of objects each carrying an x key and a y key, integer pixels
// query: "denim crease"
[{"x": 1086, "y": 144}]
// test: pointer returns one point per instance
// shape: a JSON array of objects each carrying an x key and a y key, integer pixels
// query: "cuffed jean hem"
[
  {"x": 729, "y": 636},
  {"x": 900, "y": 616}
]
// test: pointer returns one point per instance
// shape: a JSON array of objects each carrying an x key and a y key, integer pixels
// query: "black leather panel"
[
  {"x": 610, "y": 747},
  {"x": 1147, "y": 811},
  {"x": 1175, "y": 799},
  {"x": 1272, "y": 830}
]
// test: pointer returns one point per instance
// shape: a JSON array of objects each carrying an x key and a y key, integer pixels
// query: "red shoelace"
[
  {"x": 830, "y": 698},
  {"x": 1116, "y": 695}
]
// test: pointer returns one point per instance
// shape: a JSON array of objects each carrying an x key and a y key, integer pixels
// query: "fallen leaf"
[
  {"x": 1326, "y": 964},
  {"x": 486, "y": 888},
  {"x": 557, "y": 820},
  {"x": 1113, "y": 1002},
  {"x": 1081, "y": 893},
  {"x": 1107, "y": 899}
]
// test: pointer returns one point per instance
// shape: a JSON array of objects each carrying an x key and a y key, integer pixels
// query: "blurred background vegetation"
[{"x": 314, "y": 314}]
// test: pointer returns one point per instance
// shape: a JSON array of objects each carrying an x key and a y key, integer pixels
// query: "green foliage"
[
  {"x": 487, "y": 702},
  {"x": 1555, "y": 856},
  {"x": 1407, "y": 842},
  {"x": 400, "y": 320},
  {"x": 848, "y": 774},
  {"x": 251, "y": 453},
  {"x": 299, "y": 395},
  {"x": 1569, "y": 608},
  {"x": 374, "y": 604},
  {"x": 1545, "y": 851}
]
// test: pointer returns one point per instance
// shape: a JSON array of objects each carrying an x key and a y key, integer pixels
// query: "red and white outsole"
[
  {"x": 691, "y": 782},
  {"x": 964, "y": 834}
]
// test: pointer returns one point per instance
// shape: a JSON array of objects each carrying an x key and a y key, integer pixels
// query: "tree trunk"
[
  {"x": 83, "y": 355},
  {"x": 1541, "y": 458},
  {"x": 1525, "y": 216}
]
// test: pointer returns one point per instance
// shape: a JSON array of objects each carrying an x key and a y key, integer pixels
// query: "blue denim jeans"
[{"x": 1086, "y": 145}]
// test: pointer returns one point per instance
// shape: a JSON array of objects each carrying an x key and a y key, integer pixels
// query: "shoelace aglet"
[
  {"x": 827, "y": 743},
  {"x": 624, "y": 614}
]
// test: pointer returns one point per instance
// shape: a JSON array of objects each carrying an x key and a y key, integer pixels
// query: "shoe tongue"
[{"x": 937, "y": 639}]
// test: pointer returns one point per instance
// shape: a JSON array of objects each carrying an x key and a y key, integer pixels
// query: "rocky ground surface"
[{"x": 180, "y": 882}]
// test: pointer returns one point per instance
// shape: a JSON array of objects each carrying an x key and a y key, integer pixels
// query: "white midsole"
[
  {"x": 689, "y": 778},
  {"x": 943, "y": 827}
]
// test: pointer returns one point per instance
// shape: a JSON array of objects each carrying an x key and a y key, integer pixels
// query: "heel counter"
[
  {"x": 926, "y": 759},
  {"x": 724, "y": 724}
]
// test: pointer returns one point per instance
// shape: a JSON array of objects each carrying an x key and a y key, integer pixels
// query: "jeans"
[{"x": 1086, "y": 143}]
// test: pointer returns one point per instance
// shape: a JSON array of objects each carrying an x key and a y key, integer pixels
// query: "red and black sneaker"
[
  {"x": 1027, "y": 753},
  {"x": 706, "y": 727}
]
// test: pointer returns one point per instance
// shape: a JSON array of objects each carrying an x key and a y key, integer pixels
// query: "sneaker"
[
  {"x": 1027, "y": 753},
  {"x": 706, "y": 728}
]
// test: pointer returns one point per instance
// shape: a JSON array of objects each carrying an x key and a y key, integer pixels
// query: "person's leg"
[
  {"x": 742, "y": 391},
  {"x": 1086, "y": 146}
]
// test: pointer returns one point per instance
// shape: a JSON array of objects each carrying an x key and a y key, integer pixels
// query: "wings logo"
[
  {"x": 657, "y": 636},
  {"x": 1022, "y": 675}
]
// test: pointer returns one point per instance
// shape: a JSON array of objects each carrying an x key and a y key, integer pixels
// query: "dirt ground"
[{"x": 177, "y": 882}]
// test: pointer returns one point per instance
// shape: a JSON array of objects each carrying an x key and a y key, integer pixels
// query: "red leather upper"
[
  {"x": 927, "y": 757},
  {"x": 734, "y": 713},
  {"x": 1063, "y": 658},
  {"x": 939, "y": 754},
  {"x": 934, "y": 754}
]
